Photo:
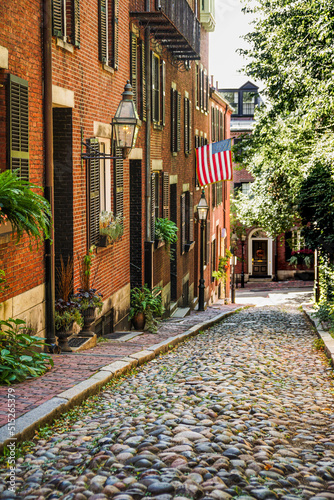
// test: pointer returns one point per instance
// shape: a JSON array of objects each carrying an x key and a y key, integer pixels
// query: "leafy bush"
[
  {"x": 18, "y": 357},
  {"x": 325, "y": 307}
]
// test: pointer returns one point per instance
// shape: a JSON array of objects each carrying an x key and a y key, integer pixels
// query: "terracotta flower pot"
[{"x": 138, "y": 321}]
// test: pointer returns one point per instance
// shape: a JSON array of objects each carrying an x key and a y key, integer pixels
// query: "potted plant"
[
  {"x": 87, "y": 298},
  {"x": 111, "y": 228},
  {"x": 66, "y": 314},
  {"x": 88, "y": 302},
  {"x": 222, "y": 267},
  {"x": 146, "y": 306},
  {"x": 165, "y": 231}
]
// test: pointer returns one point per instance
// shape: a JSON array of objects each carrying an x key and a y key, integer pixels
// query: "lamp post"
[
  {"x": 234, "y": 239},
  {"x": 202, "y": 211},
  {"x": 243, "y": 239}
]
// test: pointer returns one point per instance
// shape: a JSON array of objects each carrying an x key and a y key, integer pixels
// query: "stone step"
[
  {"x": 181, "y": 312},
  {"x": 173, "y": 307}
]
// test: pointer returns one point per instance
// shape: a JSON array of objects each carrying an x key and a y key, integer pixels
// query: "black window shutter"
[
  {"x": 133, "y": 67},
  {"x": 118, "y": 183},
  {"x": 94, "y": 192},
  {"x": 213, "y": 137},
  {"x": 18, "y": 126},
  {"x": 163, "y": 92},
  {"x": 165, "y": 194},
  {"x": 76, "y": 23},
  {"x": 178, "y": 132},
  {"x": 213, "y": 195},
  {"x": 153, "y": 86},
  {"x": 114, "y": 48},
  {"x": 186, "y": 125},
  {"x": 206, "y": 93},
  {"x": 152, "y": 207},
  {"x": 173, "y": 120},
  {"x": 183, "y": 222},
  {"x": 190, "y": 125},
  {"x": 143, "y": 82},
  {"x": 207, "y": 243},
  {"x": 196, "y": 146},
  {"x": 190, "y": 217},
  {"x": 103, "y": 44},
  {"x": 288, "y": 241},
  {"x": 57, "y": 18}
]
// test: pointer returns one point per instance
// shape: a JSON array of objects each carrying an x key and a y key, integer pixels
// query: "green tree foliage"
[
  {"x": 316, "y": 207},
  {"x": 25, "y": 209},
  {"x": 291, "y": 53}
]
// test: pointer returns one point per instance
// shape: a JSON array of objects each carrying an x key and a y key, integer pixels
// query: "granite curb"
[
  {"x": 27, "y": 424},
  {"x": 326, "y": 337}
]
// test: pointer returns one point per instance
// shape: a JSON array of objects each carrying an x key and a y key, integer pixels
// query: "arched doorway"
[{"x": 260, "y": 254}]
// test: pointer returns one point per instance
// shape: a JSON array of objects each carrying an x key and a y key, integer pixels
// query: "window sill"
[
  {"x": 107, "y": 68},
  {"x": 64, "y": 45},
  {"x": 189, "y": 246},
  {"x": 157, "y": 126}
]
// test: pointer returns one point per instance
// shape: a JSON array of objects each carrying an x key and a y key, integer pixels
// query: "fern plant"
[
  {"x": 27, "y": 211},
  {"x": 166, "y": 230}
]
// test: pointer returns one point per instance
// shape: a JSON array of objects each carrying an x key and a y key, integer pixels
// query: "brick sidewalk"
[{"x": 71, "y": 369}]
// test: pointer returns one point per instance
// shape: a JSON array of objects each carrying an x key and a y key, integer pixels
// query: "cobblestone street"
[{"x": 243, "y": 410}]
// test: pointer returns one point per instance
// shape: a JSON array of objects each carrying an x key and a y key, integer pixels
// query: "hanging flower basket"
[{"x": 111, "y": 228}]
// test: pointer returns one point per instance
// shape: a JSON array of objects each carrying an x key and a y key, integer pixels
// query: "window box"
[
  {"x": 159, "y": 243},
  {"x": 189, "y": 246}
]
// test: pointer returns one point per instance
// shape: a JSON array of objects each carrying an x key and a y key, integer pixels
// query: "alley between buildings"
[{"x": 244, "y": 410}]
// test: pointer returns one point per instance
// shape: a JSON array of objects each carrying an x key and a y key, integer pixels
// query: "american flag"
[{"x": 214, "y": 162}]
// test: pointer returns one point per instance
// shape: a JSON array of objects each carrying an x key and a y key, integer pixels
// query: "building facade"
[{"x": 79, "y": 65}]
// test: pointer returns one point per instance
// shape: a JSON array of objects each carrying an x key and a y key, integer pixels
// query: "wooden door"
[{"x": 260, "y": 257}]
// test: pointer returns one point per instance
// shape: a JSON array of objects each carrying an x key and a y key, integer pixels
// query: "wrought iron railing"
[{"x": 179, "y": 13}]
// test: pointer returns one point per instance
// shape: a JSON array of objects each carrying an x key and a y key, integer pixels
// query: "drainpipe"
[
  {"x": 148, "y": 261},
  {"x": 48, "y": 151}
]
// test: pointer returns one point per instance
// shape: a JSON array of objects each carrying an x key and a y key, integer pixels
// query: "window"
[
  {"x": 159, "y": 190},
  {"x": 187, "y": 126},
  {"x": 108, "y": 32},
  {"x": 213, "y": 258},
  {"x": 94, "y": 192},
  {"x": 197, "y": 145},
  {"x": 187, "y": 221},
  {"x": 158, "y": 90},
  {"x": 245, "y": 188},
  {"x": 99, "y": 187},
  {"x": 233, "y": 99},
  {"x": 105, "y": 181},
  {"x": 18, "y": 126},
  {"x": 248, "y": 103},
  {"x": 175, "y": 121},
  {"x": 66, "y": 21},
  {"x": 118, "y": 184},
  {"x": 137, "y": 75},
  {"x": 202, "y": 89}
]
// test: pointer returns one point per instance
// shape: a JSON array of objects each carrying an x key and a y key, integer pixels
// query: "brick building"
[
  {"x": 264, "y": 258},
  {"x": 80, "y": 69}
]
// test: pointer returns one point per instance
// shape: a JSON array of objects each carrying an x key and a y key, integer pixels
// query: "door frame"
[{"x": 250, "y": 251}]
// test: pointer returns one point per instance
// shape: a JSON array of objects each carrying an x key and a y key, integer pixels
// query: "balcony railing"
[{"x": 173, "y": 23}]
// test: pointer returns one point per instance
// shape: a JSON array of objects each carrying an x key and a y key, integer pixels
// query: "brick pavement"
[{"x": 71, "y": 369}]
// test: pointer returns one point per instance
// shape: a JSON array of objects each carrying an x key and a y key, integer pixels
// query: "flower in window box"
[{"x": 111, "y": 226}]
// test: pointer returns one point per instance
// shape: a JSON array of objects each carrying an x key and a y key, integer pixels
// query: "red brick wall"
[{"x": 20, "y": 33}]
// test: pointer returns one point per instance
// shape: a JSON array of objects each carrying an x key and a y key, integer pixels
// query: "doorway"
[
  {"x": 173, "y": 261},
  {"x": 260, "y": 257}
]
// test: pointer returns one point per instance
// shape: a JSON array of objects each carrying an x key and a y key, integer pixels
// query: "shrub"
[{"x": 18, "y": 356}]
